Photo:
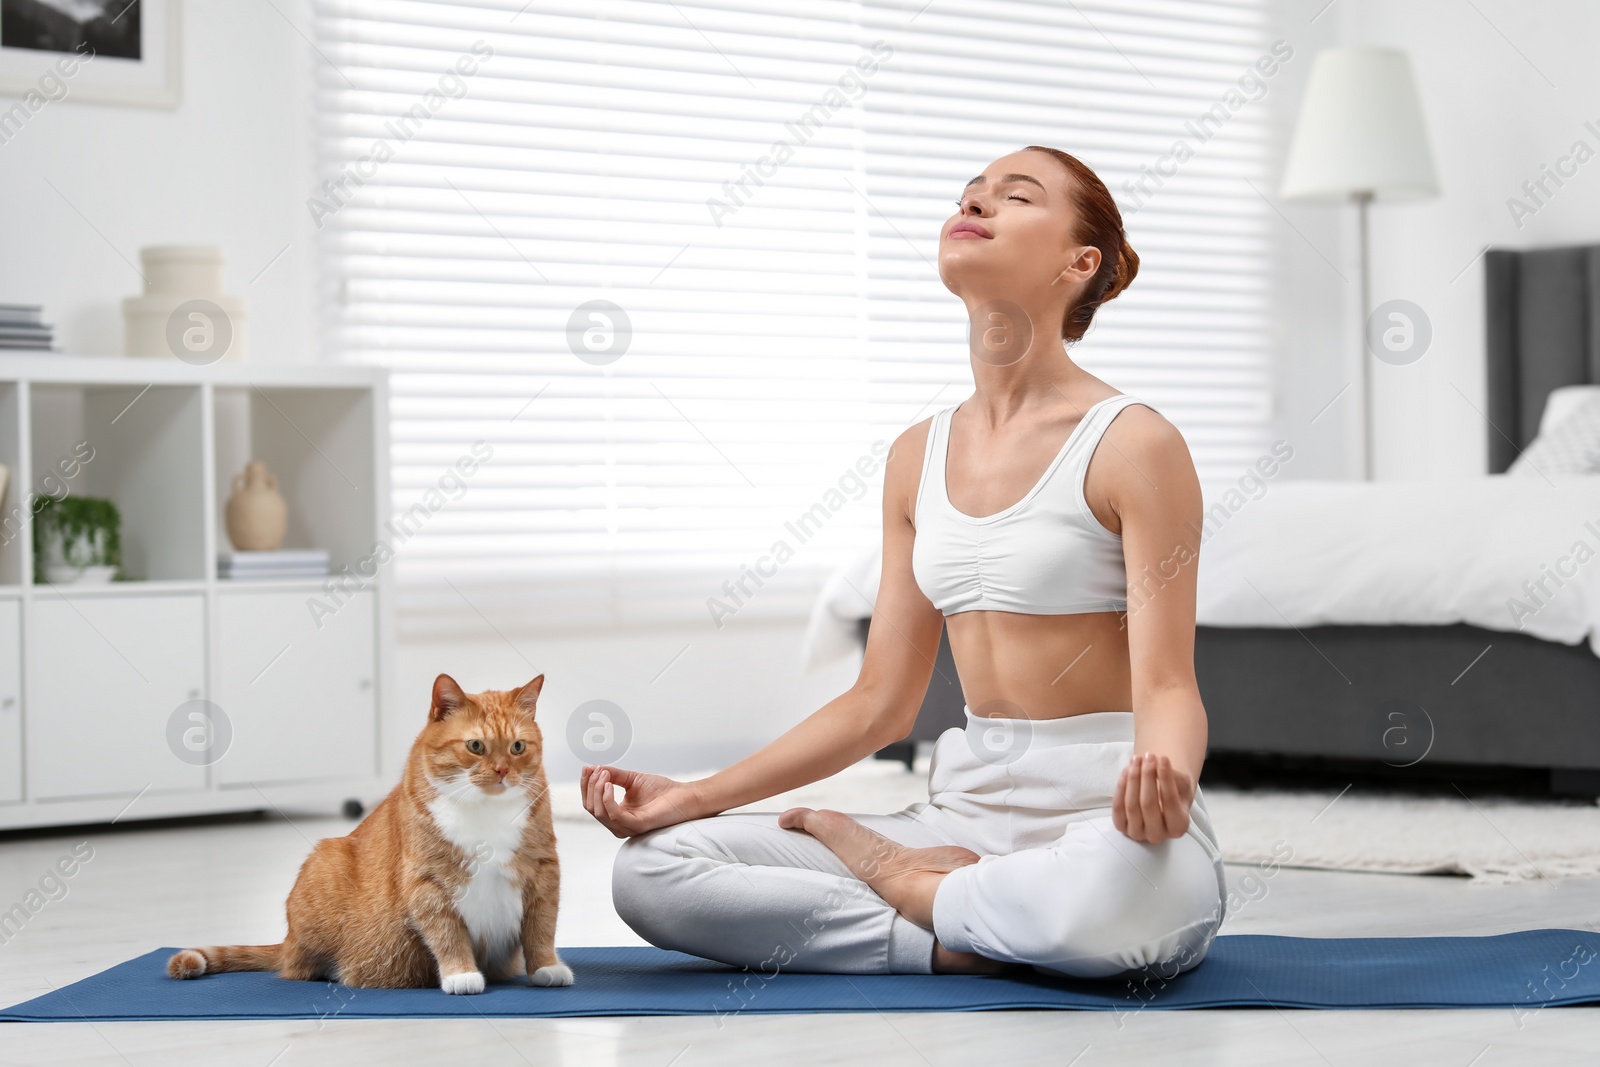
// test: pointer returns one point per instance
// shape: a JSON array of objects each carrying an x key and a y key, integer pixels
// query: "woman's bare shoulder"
[
  {"x": 1141, "y": 433},
  {"x": 903, "y": 469}
]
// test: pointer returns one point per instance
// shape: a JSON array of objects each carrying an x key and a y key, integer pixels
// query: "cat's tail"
[{"x": 193, "y": 962}]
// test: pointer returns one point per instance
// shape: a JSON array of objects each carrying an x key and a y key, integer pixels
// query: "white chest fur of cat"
[{"x": 488, "y": 828}]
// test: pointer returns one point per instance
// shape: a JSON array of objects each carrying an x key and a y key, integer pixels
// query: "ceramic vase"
[{"x": 257, "y": 515}]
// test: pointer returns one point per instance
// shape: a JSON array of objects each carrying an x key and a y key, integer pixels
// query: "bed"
[
  {"x": 1401, "y": 652},
  {"x": 1444, "y": 698}
]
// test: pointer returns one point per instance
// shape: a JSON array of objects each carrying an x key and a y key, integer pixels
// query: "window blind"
[{"x": 672, "y": 266}]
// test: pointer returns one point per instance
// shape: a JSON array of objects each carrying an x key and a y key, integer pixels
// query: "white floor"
[{"x": 145, "y": 888}]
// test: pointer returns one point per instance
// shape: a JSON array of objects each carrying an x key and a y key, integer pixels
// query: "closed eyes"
[{"x": 1013, "y": 196}]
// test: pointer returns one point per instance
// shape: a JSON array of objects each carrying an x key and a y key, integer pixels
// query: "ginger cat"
[{"x": 453, "y": 876}]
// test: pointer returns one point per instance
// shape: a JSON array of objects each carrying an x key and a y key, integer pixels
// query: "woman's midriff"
[{"x": 1041, "y": 666}]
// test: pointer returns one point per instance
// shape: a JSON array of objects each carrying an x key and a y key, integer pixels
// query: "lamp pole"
[{"x": 1363, "y": 199}]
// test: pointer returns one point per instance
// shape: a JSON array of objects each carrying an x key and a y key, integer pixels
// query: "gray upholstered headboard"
[{"x": 1542, "y": 320}]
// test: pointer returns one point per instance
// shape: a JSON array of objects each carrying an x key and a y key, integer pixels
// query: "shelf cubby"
[
  {"x": 141, "y": 447},
  {"x": 319, "y": 445}
]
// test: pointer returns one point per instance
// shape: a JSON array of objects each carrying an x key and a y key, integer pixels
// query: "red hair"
[{"x": 1100, "y": 225}]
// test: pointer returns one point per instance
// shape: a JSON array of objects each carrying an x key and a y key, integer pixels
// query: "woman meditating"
[{"x": 1052, "y": 523}]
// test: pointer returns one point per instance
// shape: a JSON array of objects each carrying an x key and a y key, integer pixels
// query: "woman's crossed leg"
[
  {"x": 740, "y": 889},
  {"x": 1095, "y": 904},
  {"x": 874, "y": 894}
]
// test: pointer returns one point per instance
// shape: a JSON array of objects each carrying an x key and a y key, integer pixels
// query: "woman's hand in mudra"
[
  {"x": 648, "y": 801},
  {"x": 1152, "y": 799}
]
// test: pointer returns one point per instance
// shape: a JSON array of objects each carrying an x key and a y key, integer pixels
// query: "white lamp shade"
[{"x": 1360, "y": 130}]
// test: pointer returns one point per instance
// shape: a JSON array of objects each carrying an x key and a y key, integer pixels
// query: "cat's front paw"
[
  {"x": 555, "y": 974},
  {"x": 465, "y": 982}
]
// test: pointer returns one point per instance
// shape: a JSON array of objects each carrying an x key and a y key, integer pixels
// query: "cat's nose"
[{"x": 501, "y": 771}]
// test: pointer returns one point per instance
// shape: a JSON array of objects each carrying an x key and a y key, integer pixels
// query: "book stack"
[
  {"x": 21, "y": 328},
  {"x": 282, "y": 564}
]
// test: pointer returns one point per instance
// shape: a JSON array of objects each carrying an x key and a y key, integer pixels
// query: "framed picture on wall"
[{"x": 104, "y": 51}]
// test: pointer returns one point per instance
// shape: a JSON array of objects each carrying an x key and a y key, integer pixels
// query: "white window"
[{"x": 759, "y": 187}]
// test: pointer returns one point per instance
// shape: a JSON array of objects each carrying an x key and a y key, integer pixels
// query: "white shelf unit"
[{"x": 92, "y": 678}]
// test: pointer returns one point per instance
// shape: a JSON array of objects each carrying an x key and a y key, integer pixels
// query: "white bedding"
[
  {"x": 1407, "y": 552},
  {"x": 1304, "y": 553}
]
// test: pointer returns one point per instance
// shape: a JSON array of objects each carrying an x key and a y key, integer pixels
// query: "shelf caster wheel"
[{"x": 353, "y": 809}]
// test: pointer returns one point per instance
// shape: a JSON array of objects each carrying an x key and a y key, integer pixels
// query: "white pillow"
[
  {"x": 1563, "y": 402},
  {"x": 1570, "y": 443}
]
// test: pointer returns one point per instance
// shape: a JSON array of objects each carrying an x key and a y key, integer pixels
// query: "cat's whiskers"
[
  {"x": 533, "y": 798},
  {"x": 451, "y": 786}
]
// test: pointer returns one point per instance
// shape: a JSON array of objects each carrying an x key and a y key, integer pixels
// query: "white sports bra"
[{"x": 1046, "y": 554}]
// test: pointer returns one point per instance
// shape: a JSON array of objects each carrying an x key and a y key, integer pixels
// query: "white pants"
[{"x": 1057, "y": 885}]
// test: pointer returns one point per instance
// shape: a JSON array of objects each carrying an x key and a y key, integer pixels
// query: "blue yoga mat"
[{"x": 1524, "y": 971}]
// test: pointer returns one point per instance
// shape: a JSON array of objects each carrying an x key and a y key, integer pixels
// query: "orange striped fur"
[{"x": 452, "y": 878}]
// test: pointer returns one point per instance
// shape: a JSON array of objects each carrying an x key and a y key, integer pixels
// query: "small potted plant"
[{"x": 76, "y": 539}]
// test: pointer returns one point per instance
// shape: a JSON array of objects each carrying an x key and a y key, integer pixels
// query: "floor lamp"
[{"x": 1360, "y": 136}]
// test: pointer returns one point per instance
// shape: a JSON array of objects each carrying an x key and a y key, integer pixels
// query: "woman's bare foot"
[{"x": 904, "y": 877}]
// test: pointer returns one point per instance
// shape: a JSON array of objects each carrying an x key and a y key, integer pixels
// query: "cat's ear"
[
  {"x": 447, "y": 698},
  {"x": 527, "y": 698}
]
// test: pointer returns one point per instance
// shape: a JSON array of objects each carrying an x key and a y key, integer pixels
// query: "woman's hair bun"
[{"x": 1127, "y": 269}]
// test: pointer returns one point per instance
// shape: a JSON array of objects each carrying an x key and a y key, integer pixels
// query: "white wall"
[
  {"x": 1312, "y": 358},
  {"x": 232, "y": 166},
  {"x": 1505, "y": 87},
  {"x": 696, "y": 698}
]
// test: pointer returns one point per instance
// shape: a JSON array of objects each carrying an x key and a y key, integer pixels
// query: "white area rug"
[{"x": 1492, "y": 840}]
